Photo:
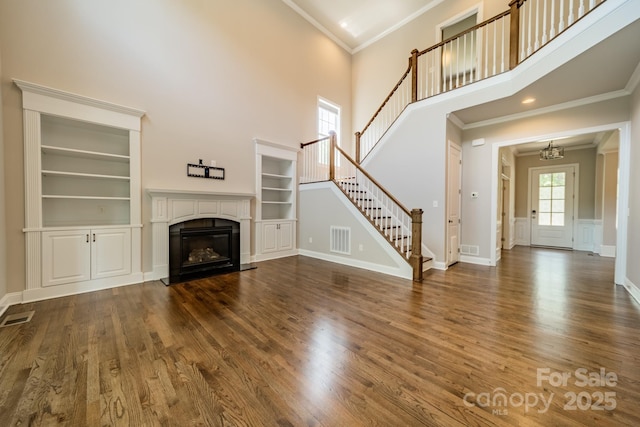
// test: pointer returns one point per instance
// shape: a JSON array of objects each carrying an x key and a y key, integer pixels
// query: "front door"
[{"x": 552, "y": 206}]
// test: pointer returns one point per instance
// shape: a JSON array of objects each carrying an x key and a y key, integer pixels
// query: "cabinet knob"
[
  {"x": 87, "y": 238},
  {"x": 94, "y": 237}
]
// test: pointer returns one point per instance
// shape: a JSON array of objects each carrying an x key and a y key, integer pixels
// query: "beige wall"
[
  {"x": 378, "y": 67},
  {"x": 586, "y": 158},
  {"x": 211, "y": 76},
  {"x": 3, "y": 234}
]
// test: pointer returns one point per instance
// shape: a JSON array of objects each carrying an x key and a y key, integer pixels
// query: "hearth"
[{"x": 203, "y": 247}]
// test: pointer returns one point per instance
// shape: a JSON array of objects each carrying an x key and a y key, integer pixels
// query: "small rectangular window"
[{"x": 328, "y": 121}]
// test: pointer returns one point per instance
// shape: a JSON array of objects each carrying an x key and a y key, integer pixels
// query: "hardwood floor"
[{"x": 303, "y": 342}]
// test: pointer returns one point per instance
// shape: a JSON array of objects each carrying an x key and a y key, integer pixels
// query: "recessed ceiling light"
[
  {"x": 343, "y": 25},
  {"x": 529, "y": 100}
]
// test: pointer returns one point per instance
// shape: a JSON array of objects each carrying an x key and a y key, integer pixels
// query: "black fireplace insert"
[{"x": 203, "y": 247}]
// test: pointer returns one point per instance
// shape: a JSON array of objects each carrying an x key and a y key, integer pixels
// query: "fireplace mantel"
[{"x": 170, "y": 206}]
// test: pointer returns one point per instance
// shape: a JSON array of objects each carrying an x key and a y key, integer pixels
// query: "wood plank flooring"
[{"x": 303, "y": 342}]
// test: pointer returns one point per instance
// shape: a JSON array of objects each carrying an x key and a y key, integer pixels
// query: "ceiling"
[{"x": 354, "y": 24}]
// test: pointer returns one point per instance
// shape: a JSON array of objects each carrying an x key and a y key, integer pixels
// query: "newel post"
[
  {"x": 416, "y": 244},
  {"x": 358, "y": 134},
  {"x": 414, "y": 75},
  {"x": 332, "y": 155},
  {"x": 514, "y": 33}
]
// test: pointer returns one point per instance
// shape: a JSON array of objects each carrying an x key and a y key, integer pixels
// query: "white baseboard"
[
  {"x": 274, "y": 255},
  {"x": 475, "y": 260},
  {"x": 8, "y": 300},
  {"x": 403, "y": 272},
  {"x": 633, "y": 289},
  {"x": 68, "y": 289},
  {"x": 608, "y": 251},
  {"x": 438, "y": 265}
]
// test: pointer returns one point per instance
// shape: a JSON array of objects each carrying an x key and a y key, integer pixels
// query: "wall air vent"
[
  {"x": 340, "y": 240},
  {"x": 470, "y": 250}
]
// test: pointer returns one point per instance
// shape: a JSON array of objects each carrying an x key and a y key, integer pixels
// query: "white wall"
[
  {"x": 633, "y": 235},
  {"x": 211, "y": 75}
]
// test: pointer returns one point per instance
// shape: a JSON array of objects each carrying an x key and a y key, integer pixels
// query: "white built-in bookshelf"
[
  {"x": 276, "y": 189},
  {"x": 82, "y": 192}
]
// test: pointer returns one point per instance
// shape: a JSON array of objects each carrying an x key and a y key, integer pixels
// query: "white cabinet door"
[
  {"x": 110, "y": 252},
  {"x": 277, "y": 236},
  {"x": 285, "y": 236},
  {"x": 79, "y": 255},
  {"x": 66, "y": 257},
  {"x": 269, "y": 237}
]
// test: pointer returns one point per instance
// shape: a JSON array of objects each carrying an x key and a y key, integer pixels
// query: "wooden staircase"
[
  {"x": 399, "y": 226},
  {"x": 370, "y": 207}
]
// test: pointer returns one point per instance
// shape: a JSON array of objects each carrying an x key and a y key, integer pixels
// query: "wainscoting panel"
[{"x": 522, "y": 232}]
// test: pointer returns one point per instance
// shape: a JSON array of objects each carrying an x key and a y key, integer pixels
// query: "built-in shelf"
[
  {"x": 83, "y": 154},
  {"x": 54, "y": 196},
  {"x": 84, "y": 175},
  {"x": 273, "y": 175}
]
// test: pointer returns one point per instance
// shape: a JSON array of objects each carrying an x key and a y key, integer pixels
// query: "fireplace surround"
[{"x": 171, "y": 207}]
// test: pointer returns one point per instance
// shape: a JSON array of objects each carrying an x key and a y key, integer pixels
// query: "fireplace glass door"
[{"x": 205, "y": 249}]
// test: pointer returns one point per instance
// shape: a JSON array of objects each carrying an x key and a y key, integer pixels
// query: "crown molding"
[
  {"x": 79, "y": 99},
  {"x": 551, "y": 109},
  {"x": 318, "y": 25}
]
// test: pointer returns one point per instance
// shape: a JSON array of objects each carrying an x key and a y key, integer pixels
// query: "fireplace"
[
  {"x": 171, "y": 207},
  {"x": 203, "y": 247}
]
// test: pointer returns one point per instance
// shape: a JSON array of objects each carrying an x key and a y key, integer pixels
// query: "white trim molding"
[
  {"x": 475, "y": 260},
  {"x": 8, "y": 300},
  {"x": 633, "y": 289}
]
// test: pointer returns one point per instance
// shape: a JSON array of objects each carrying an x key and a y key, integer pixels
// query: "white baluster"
[
  {"x": 561, "y": 23},
  {"x": 486, "y": 53},
  {"x": 502, "y": 54},
  {"x": 581, "y": 9},
  {"x": 523, "y": 42},
  {"x": 552, "y": 32},
  {"x": 464, "y": 59},
  {"x": 494, "y": 52},
  {"x": 544, "y": 24},
  {"x": 571, "y": 16},
  {"x": 536, "y": 43}
]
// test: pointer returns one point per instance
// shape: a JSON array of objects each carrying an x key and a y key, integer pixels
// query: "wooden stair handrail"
[
  {"x": 315, "y": 141},
  {"x": 469, "y": 30},
  {"x": 404, "y": 76}
]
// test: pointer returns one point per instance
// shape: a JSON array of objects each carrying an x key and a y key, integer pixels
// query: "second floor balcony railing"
[{"x": 485, "y": 50}]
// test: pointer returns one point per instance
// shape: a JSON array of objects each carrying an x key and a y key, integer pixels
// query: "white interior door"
[
  {"x": 453, "y": 204},
  {"x": 552, "y": 206}
]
